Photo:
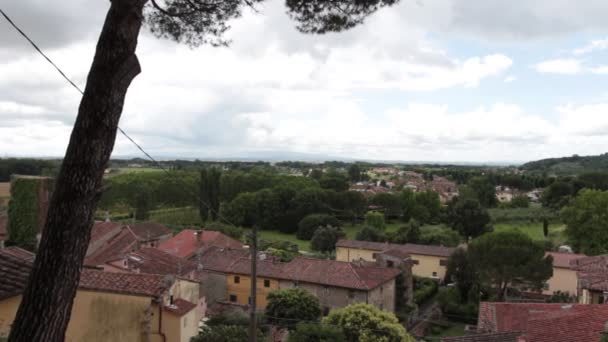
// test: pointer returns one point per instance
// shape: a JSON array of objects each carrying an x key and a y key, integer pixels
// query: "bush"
[
  {"x": 226, "y": 229},
  {"x": 424, "y": 289},
  {"x": 439, "y": 235},
  {"x": 375, "y": 219},
  {"x": 309, "y": 224},
  {"x": 287, "y": 307},
  {"x": 520, "y": 201},
  {"x": 325, "y": 238},
  {"x": 371, "y": 234},
  {"x": 306, "y": 332},
  {"x": 452, "y": 308}
]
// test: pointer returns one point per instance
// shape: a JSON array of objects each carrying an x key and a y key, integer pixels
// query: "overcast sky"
[{"x": 426, "y": 80}]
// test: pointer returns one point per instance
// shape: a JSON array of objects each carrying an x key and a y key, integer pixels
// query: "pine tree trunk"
[{"x": 47, "y": 301}]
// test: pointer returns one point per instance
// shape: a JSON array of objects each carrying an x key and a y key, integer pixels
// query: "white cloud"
[
  {"x": 510, "y": 79},
  {"x": 600, "y": 70},
  {"x": 595, "y": 45},
  {"x": 560, "y": 66}
]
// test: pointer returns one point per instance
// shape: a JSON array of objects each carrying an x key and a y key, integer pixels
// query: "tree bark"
[{"x": 46, "y": 306}]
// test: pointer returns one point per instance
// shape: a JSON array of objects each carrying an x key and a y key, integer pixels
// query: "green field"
[
  {"x": 535, "y": 231},
  {"x": 115, "y": 171},
  {"x": 188, "y": 216}
]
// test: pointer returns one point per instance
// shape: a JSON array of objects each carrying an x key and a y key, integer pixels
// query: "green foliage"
[
  {"x": 586, "y": 219},
  {"x": 26, "y": 166},
  {"x": 461, "y": 270},
  {"x": 278, "y": 244},
  {"x": 468, "y": 217},
  {"x": 390, "y": 203},
  {"x": 372, "y": 234},
  {"x": 375, "y": 219},
  {"x": 224, "y": 333},
  {"x": 532, "y": 214},
  {"x": 334, "y": 181},
  {"x": 439, "y": 235},
  {"x": 354, "y": 173},
  {"x": 408, "y": 203},
  {"x": 241, "y": 211},
  {"x": 526, "y": 265},
  {"x": 484, "y": 190},
  {"x": 520, "y": 201},
  {"x": 306, "y": 332},
  {"x": 569, "y": 165},
  {"x": 226, "y": 229},
  {"x": 557, "y": 195},
  {"x": 309, "y": 224},
  {"x": 282, "y": 254},
  {"x": 562, "y": 297},
  {"x": 424, "y": 289},
  {"x": 210, "y": 193},
  {"x": 366, "y": 323},
  {"x": 450, "y": 303},
  {"x": 23, "y": 213},
  {"x": 428, "y": 207},
  {"x": 410, "y": 233},
  {"x": 289, "y": 306},
  {"x": 324, "y": 239}
]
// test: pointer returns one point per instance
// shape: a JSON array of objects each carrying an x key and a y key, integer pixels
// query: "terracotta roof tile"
[
  {"x": 149, "y": 230},
  {"x": 117, "y": 246},
  {"x": 410, "y": 248},
  {"x": 125, "y": 283},
  {"x": 563, "y": 260},
  {"x": 14, "y": 273},
  {"x": 102, "y": 228},
  {"x": 18, "y": 253},
  {"x": 490, "y": 337},
  {"x": 544, "y": 322},
  {"x": 186, "y": 243},
  {"x": 155, "y": 261},
  {"x": 180, "y": 307}
]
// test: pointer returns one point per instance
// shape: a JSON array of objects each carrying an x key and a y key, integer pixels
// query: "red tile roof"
[
  {"x": 316, "y": 271},
  {"x": 126, "y": 283},
  {"x": 186, "y": 243},
  {"x": 592, "y": 272},
  {"x": 146, "y": 231},
  {"x": 19, "y": 253},
  {"x": 117, "y": 246},
  {"x": 409, "y": 248},
  {"x": 101, "y": 229},
  {"x": 180, "y": 307},
  {"x": 489, "y": 337},
  {"x": 541, "y": 322},
  {"x": 155, "y": 261},
  {"x": 14, "y": 273},
  {"x": 564, "y": 260}
]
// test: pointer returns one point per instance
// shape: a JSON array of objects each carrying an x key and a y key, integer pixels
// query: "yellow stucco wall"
[
  {"x": 242, "y": 289},
  {"x": 427, "y": 265},
  {"x": 350, "y": 254},
  {"x": 180, "y": 329},
  {"x": 564, "y": 280},
  {"x": 96, "y": 316}
]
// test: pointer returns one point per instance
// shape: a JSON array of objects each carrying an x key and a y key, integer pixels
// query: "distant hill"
[{"x": 569, "y": 165}]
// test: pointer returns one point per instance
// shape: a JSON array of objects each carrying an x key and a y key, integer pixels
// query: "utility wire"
[{"x": 139, "y": 147}]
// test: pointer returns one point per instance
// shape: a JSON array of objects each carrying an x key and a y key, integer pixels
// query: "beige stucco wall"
[
  {"x": 213, "y": 286},
  {"x": 242, "y": 289},
  {"x": 329, "y": 297},
  {"x": 383, "y": 296},
  {"x": 563, "y": 280},
  {"x": 427, "y": 265},
  {"x": 350, "y": 254},
  {"x": 8, "y": 309}
]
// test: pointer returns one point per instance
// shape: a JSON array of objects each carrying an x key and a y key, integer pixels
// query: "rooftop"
[
  {"x": 180, "y": 307},
  {"x": 149, "y": 230},
  {"x": 117, "y": 246},
  {"x": 19, "y": 253},
  {"x": 489, "y": 337},
  {"x": 15, "y": 272},
  {"x": 188, "y": 242},
  {"x": 544, "y": 322},
  {"x": 155, "y": 261},
  {"x": 564, "y": 260},
  {"x": 409, "y": 248}
]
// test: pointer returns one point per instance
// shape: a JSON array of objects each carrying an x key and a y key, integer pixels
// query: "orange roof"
[
  {"x": 117, "y": 246},
  {"x": 188, "y": 242},
  {"x": 544, "y": 322},
  {"x": 180, "y": 307},
  {"x": 564, "y": 260},
  {"x": 19, "y": 253},
  {"x": 155, "y": 261}
]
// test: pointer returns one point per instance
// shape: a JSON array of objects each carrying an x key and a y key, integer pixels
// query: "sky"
[{"x": 424, "y": 80}]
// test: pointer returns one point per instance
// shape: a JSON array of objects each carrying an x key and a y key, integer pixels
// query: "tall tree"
[
  {"x": 509, "y": 259},
  {"x": 47, "y": 301},
  {"x": 485, "y": 191},
  {"x": 213, "y": 198},
  {"x": 586, "y": 221},
  {"x": 354, "y": 173},
  {"x": 468, "y": 217},
  {"x": 204, "y": 193}
]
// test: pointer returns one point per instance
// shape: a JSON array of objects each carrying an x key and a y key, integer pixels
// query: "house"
[
  {"x": 592, "y": 279},
  {"x": 544, "y": 322},
  {"x": 487, "y": 337},
  {"x": 5, "y": 193},
  {"x": 428, "y": 261},
  {"x": 335, "y": 283},
  {"x": 151, "y": 261},
  {"x": 189, "y": 242},
  {"x": 564, "y": 277},
  {"x": 113, "y": 306},
  {"x": 112, "y": 240}
]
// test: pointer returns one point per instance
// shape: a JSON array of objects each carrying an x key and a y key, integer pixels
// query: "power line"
[{"x": 138, "y": 146}]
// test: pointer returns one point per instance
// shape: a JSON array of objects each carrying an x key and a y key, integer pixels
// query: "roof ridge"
[{"x": 357, "y": 275}]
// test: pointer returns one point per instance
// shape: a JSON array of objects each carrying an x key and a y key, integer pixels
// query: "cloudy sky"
[{"x": 426, "y": 80}]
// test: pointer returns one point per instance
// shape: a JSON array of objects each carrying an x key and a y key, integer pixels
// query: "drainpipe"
[{"x": 160, "y": 319}]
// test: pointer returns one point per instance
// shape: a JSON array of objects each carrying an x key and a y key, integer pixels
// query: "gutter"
[{"x": 160, "y": 320}]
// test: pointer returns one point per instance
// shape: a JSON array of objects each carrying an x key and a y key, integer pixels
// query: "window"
[
  {"x": 296, "y": 283},
  {"x": 390, "y": 264},
  {"x": 266, "y": 283},
  {"x": 351, "y": 294},
  {"x": 443, "y": 262},
  {"x": 381, "y": 289},
  {"x": 434, "y": 274},
  {"x": 233, "y": 298},
  {"x": 237, "y": 279},
  {"x": 415, "y": 262}
]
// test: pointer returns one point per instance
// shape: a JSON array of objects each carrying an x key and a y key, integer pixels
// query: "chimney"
[{"x": 199, "y": 235}]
